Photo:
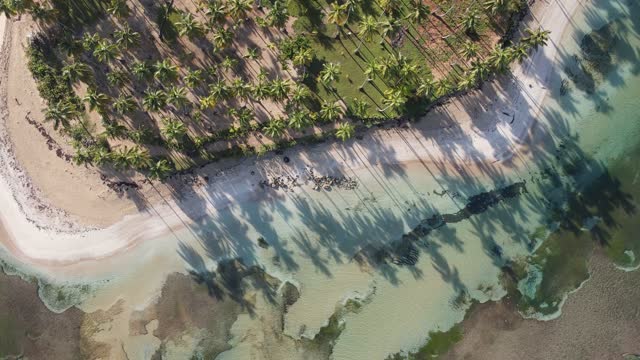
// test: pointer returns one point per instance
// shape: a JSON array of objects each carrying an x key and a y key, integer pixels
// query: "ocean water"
[
  {"x": 588, "y": 128},
  {"x": 325, "y": 243}
]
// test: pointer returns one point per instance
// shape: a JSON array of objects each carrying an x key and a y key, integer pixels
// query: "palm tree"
[
  {"x": 278, "y": 15},
  {"x": 389, "y": 27},
  {"x": 253, "y": 53},
  {"x": 345, "y": 131},
  {"x": 229, "y": 63},
  {"x": 303, "y": 57},
  {"x": 105, "y": 51},
  {"x": 338, "y": 14},
  {"x": 330, "y": 111},
  {"x": 470, "y": 22},
  {"x": 408, "y": 73},
  {"x": 139, "y": 158},
  {"x": 358, "y": 108},
  {"x": 160, "y": 170},
  {"x": 351, "y": 5},
  {"x": 370, "y": 71},
  {"x": 12, "y": 8},
  {"x": 367, "y": 28},
  {"x": 188, "y": 26},
  {"x": 100, "y": 155},
  {"x": 193, "y": 78},
  {"x": 244, "y": 116},
  {"x": 232, "y": 112},
  {"x": 418, "y": 12},
  {"x": 219, "y": 90},
  {"x": 467, "y": 81},
  {"x": 500, "y": 58},
  {"x": 536, "y": 38},
  {"x": 216, "y": 12},
  {"x": 126, "y": 37},
  {"x": 299, "y": 120},
  {"x": 241, "y": 89},
  {"x": 299, "y": 93},
  {"x": 208, "y": 102},
  {"x": 118, "y": 8},
  {"x": 274, "y": 128},
  {"x": 124, "y": 104},
  {"x": 280, "y": 89},
  {"x": 154, "y": 100},
  {"x": 393, "y": 99},
  {"x": 97, "y": 101},
  {"x": 131, "y": 157},
  {"x": 120, "y": 159},
  {"x": 77, "y": 71},
  {"x": 165, "y": 70},
  {"x": 493, "y": 6},
  {"x": 113, "y": 129},
  {"x": 425, "y": 87},
  {"x": 141, "y": 70},
  {"x": 480, "y": 69},
  {"x": 519, "y": 52},
  {"x": 42, "y": 14},
  {"x": 469, "y": 50},
  {"x": 60, "y": 113},
  {"x": 261, "y": 90},
  {"x": 390, "y": 7},
  {"x": 117, "y": 78},
  {"x": 173, "y": 130},
  {"x": 89, "y": 41},
  {"x": 177, "y": 96},
  {"x": 329, "y": 73},
  {"x": 238, "y": 9},
  {"x": 222, "y": 38},
  {"x": 15, "y": 7},
  {"x": 443, "y": 87}
]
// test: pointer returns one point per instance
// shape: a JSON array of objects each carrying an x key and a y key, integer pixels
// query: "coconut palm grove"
[{"x": 162, "y": 86}]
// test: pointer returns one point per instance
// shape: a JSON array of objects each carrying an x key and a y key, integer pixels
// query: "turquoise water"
[{"x": 581, "y": 178}]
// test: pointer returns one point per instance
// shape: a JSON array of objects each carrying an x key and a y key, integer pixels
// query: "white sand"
[{"x": 476, "y": 136}]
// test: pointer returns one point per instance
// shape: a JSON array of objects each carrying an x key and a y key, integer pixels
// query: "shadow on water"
[{"x": 340, "y": 226}]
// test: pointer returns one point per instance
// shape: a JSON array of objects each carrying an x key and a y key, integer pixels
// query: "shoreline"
[
  {"x": 478, "y": 140},
  {"x": 603, "y": 308}
]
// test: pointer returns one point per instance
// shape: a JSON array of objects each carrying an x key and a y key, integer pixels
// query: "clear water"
[{"x": 314, "y": 236}]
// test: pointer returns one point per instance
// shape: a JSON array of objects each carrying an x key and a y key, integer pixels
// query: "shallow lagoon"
[{"x": 325, "y": 243}]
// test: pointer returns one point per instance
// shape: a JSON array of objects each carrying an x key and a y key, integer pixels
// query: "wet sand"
[
  {"x": 601, "y": 321},
  {"x": 29, "y": 329}
]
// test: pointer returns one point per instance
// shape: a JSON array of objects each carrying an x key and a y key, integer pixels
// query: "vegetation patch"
[
  {"x": 438, "y": 344},
  {"x": 602, "y": 216},
  {"x": 159, "y": 87}
]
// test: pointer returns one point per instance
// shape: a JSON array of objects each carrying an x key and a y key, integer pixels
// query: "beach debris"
[
  {"x": 263, "y": 243},
  {"x": 319, "y": 182},
  {"x": 287, "y": 182},
  {"x": 290, "y": 294},
  {"x": 51, "y": 143},
  {"x": 324, "y": 182},
  {"x": 119, "y": 187},
  {"x": 440, "y": 193}
]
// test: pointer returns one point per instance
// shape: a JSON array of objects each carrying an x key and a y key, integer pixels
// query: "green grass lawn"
[{"x": 334, "y": 46}]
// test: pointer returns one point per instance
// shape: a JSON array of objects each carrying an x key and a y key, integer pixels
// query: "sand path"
[{"x": 471, "y": 130}]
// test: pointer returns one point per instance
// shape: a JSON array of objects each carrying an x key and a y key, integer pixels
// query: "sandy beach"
[
  {"x": 470, "y": 135},
  {"x": 127, "y": 260}
]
